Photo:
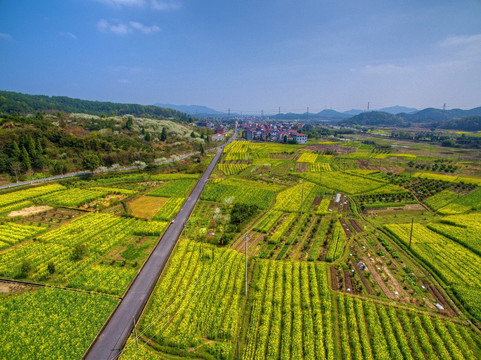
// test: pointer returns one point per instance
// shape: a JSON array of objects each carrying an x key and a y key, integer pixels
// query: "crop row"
[
  {"x": 285, "y": 225},
  {"x": 21, "y": 195},
  {"x": 323, "y": 207},
  {"x": 289, "y": 312},
  {"x": 319, "y": 240},
  {"x": 320, "y": 167},
  {"x": 268, "y": 221},
  {"x": 336, "y": 247},
  {"x": 296, "y": 235}
]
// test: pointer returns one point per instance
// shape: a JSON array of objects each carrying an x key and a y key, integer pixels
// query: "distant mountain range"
[
  {"x": 326, "y": 114},
  {"x": 467, "y": 120}
]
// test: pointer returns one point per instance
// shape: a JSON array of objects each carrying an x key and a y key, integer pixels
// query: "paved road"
[{"x": 114, "y": 335}]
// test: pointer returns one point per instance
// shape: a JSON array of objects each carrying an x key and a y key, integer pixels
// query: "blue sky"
[{"x": 249, "y": 55}]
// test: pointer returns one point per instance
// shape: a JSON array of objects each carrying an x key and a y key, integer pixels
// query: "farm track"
[{"x": 112, "y": 337}]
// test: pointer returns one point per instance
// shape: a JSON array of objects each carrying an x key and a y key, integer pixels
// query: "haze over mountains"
[{"x": 328, "y": 114}]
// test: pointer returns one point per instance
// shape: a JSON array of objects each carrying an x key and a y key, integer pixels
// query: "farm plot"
[
  {"x": 453, "y": 263},
  {"x": 289, "y": 312},
  {"x": 464, "y": 229},
  {"x": 179, "y": 188},
  {"x": 174, "y": 176},
  {"x": 307, "y": 157},
  {"x": 11, "y": 233},
  {"x": 123, "y": 178},
  {"x": 185, "y": 309},
  {"x": 370, "y": 330},
  {"x": 343, "y": 182},
  {"x": 241, "y": 191},
  {"x": 98, "y": 232},
  {"x": 320, "y": 167},
  {"x": 232, "y": 169},
  {"x": 51, "y": 323},
  {"x": 146, "y": 206},
  {"x": 107, "y": 279},
  {"x": 169, "y": 209},
  {"x": 21, "y": 195},
  {"x": 74, "y": 197},
  {"x": 441, "y": 199},
  {"x": 291, "y": 200}
]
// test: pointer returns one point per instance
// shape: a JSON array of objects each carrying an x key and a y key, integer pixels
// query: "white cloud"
[
  {"x": 120, "y": 28},
  {"x": 5, "y": 36},
  {"x": 145, "y": 29},
  {"x": 387, "y": 69},
  {"x": 161, "y": 5},
  {"x": 462, "y": 40},
  {"x": 68, "y": 35}
]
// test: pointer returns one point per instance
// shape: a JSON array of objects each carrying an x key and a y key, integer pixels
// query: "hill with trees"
[
  {"x": 39, "y": 136},
  {"x": 17, "y": 103}
]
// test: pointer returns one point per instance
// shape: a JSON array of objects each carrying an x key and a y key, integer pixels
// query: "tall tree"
[
  {"x": 26, "y": 162},
  {"x": 130, "y": 123},
  {"x": 39, "y": 146},
  {"x": 16, "y": 151},
  {"x": 32, "y": 151},
  {"x": 163, "y": 135}
]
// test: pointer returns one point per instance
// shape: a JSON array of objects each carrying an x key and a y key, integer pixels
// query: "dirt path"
[
  {"x": 334, "y": 280},
  {"x": 375, "y": 275}
]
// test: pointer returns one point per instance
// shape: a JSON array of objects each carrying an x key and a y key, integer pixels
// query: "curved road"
[{"x": 113, "y": 336}]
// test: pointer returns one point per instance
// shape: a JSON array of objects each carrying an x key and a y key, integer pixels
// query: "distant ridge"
[
  {"x": 191, "y": 109},
  {"x": 398, "y": 109}
]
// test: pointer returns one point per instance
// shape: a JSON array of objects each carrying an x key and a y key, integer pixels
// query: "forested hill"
[
  {"x": 375, "y": 118},
  {"x": 17, "y": 103}
]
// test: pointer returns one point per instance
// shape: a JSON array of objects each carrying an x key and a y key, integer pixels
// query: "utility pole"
[
  {"x": 308, "y": 113},
  {"x": 302, "y": 195},
  {"x": 411, "y": 235},
  {"x": 279, "y": 113},
  {"x": 245, "y": 238}
]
